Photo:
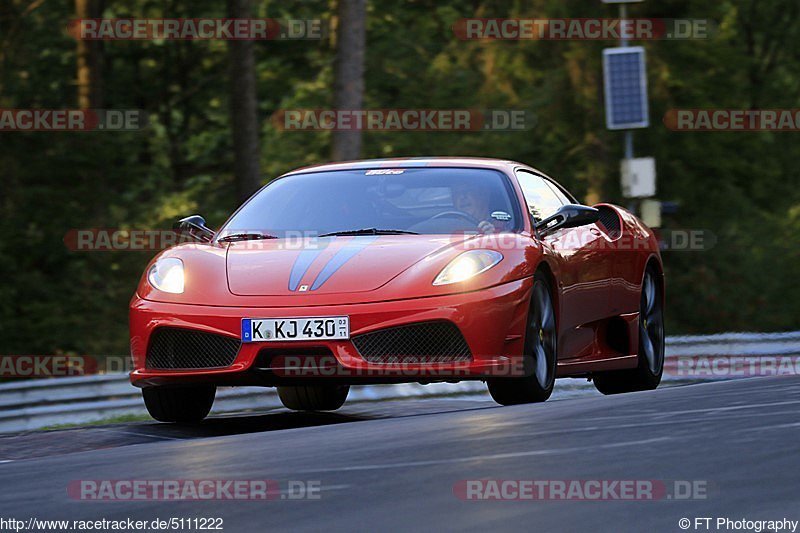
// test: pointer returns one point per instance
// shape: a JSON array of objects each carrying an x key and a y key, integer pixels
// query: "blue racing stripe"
[
  {"x": 303, "y": 262},
  {"x": 347, "y": 252}
]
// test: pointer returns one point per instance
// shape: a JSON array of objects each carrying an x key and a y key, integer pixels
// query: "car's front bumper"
[{"x": 492, "y": 321}]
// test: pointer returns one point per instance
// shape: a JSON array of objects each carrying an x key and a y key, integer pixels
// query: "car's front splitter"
[{"x": 492, "y": 322}]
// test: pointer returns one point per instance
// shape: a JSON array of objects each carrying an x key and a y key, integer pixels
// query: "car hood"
[{"x": 327, "y": 265}]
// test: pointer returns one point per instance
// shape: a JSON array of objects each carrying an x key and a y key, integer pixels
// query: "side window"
[
  {"x": 542, "y": 201},
  {"x": 558, "y": 192}
]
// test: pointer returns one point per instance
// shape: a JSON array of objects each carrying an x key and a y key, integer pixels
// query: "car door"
[{"x": 585, "y": 266}]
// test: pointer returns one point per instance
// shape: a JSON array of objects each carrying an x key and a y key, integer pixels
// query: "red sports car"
[{"x": 405, "y": 270}]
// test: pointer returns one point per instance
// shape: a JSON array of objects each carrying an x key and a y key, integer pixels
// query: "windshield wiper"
[
  {"x": 369, "y": 231},
  {"x": 246, "y": 237}
]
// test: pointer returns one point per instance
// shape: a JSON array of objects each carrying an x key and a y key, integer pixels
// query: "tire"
[
  {"x": 314, "y": 397},
  {"x": 539, "y": 357},
  {"x": 647, "y": 375},
  {"x": 179, "y": 404}
]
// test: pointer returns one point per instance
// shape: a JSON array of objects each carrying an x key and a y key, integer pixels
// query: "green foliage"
[{"x": 742, "y": 187}]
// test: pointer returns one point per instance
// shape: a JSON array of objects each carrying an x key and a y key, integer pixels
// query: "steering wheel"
[{"x": 455, "y": 213}]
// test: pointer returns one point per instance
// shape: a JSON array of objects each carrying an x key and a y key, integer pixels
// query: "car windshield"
[{"x": 376, "y": 201}]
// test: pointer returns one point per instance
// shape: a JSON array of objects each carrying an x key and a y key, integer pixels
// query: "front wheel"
[
  {"x": 539, "y": 357},
  {"x": 647, "y": 375},
  {"x": 179, "y": 404},
  {"x": 313, "y": 397}
]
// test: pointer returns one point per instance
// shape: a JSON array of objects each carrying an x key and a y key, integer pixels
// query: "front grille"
[
  {"x": 186, "y": 348},
  {"x": 426, "y": 342}
]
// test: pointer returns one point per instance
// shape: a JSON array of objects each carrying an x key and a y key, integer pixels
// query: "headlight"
[
  {"x": 468, "y": 265},
  {"x": 167, "y": 275}
]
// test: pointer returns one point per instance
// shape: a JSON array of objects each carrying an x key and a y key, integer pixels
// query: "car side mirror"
[
  {"x": 195, "y": 226},
  {"x": 568, "y": 216}
]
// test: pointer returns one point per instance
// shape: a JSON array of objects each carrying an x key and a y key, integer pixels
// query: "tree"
[
  {"x": 244, "y": 107},
  {"x": 89, "y": 56},
  {"x": 349, "y": 72}
]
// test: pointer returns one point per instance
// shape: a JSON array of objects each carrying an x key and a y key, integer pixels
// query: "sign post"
[{"x": 625, "y": 85}]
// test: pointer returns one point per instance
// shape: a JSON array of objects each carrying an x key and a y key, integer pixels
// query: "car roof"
[{"x": 412, "y": 162}]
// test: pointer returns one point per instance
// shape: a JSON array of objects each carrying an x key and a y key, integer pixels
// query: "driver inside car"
[{"x": 473, "y": 200}]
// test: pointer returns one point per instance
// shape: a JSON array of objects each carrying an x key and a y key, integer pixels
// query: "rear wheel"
[
  {"x": 539, "y": 357},
  {"x": 179, "y": 404},
  {"x": 314, "y": 397},
  {"x": 647, "y": 375}
]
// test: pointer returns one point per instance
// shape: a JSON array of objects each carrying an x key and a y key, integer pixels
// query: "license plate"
[{"x": 295, "y": 329}]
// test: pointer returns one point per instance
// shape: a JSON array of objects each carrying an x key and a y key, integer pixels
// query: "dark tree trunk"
[
  {"x": 349, "y": 70},
  {"x": 244, "y": 107},
  {"x": 90, "y": 58}
]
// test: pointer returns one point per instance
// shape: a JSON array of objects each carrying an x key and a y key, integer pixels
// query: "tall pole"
[
  {"x": 244, "y": 107},
  {"x": 623, "y": 41},
  {"x": 348, "y": 91}
]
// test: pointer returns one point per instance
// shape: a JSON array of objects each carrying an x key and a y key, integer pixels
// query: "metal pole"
[
  {"x": 623, "y": 41},
  {"x": 628, "y": 144}
]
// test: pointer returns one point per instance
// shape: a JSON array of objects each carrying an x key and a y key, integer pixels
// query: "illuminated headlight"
[
  {"x": 468, "y": 265},
  {"x": 167, "y": 275}
]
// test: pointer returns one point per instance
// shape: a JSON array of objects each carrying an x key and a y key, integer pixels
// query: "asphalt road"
[{"x": 394, "y": 465}]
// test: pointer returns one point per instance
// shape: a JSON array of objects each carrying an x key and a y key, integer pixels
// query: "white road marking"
[
  {"x": 491, "y": 457},
  {"x": 127, "y": 432},
  {"x": 776, "y": 426},
  {"x": 731, "y": 408},
  {"x": 659, "y": 423},
  {"x": 322, "y": 488}
]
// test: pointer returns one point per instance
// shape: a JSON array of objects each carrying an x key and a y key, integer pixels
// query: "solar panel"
[{"x": 626, "y": 88}]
